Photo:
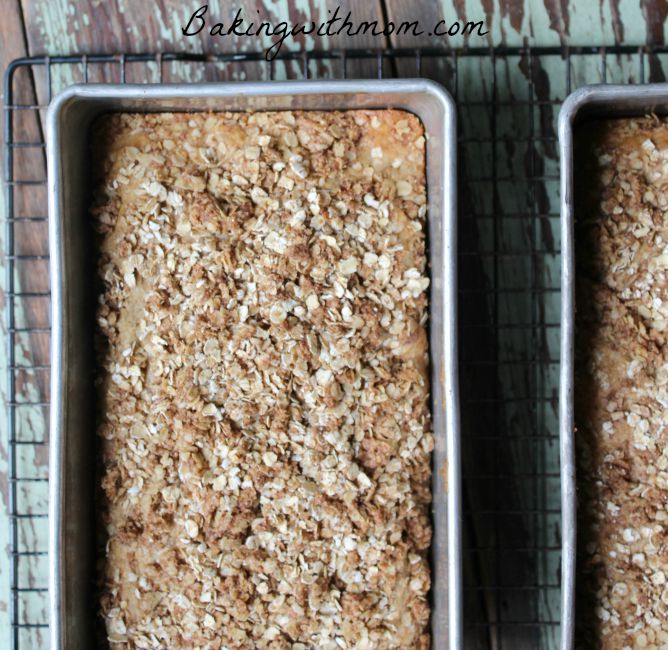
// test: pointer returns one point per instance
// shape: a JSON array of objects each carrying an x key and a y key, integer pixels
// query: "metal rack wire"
[{"x": 508, "y": 102}]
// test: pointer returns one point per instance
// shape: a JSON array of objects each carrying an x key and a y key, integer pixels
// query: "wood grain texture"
[
  {"x": 133, "y": 26},
  {"x": 63, "y": 26},
  {"x": 538, "y": 22},
  {"x": 27, "y": 349}
]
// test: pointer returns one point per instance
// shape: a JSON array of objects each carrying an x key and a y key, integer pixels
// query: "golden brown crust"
[
  {"x": 265, "y": 423},
  {"x": 621, "y": 392}
]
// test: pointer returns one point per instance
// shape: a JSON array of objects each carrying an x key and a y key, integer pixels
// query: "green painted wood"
[
  {"x": 136, "y": 26},
  {"x": 31, "y": 421}
]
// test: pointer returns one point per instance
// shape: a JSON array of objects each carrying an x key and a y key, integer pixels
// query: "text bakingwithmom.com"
[{"x": 336, "y": 24}]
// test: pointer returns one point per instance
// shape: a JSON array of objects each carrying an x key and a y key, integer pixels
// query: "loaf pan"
[
  {"x": 72, "y": 451},
  {"x": 587, "y": 103}
]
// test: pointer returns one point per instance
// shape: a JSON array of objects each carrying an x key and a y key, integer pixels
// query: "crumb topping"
[
  {"x": 263, "y": 382},
  {"x": 622, "y": 388}
]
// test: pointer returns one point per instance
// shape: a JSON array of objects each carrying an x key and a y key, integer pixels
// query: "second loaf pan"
[
  {"x": 589, "y": 102},
  {"x": 71, "y": 515}
]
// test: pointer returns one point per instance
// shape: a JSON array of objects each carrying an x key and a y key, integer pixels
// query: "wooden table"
[
  {"x": 37, "y": 27},
  {"x": 66, "y": 27}
]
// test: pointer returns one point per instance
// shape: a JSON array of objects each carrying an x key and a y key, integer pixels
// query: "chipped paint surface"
[
  {"x": 549, "y": 22},
  {"x": 65, "y": 27}
]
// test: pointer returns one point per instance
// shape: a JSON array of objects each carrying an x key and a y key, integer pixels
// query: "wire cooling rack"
[{"x": 508, "y": 102}]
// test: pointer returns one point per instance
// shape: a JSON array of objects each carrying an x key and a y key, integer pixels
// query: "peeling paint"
[
  {"x": 515, "y": 11},
  {"x": 655, "y": 13},
  {"x": 557, "y": 11},
  {"x": 617, "y": 23}
]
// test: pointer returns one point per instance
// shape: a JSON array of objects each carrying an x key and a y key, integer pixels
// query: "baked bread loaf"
[
  {"x": 263, "y": 380},
  {"x": 621, "y": 388}
]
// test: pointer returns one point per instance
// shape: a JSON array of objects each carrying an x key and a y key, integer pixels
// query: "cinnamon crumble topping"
[
  {"x": 622, "y": 387},
  {"x": 264, "y": 380}
]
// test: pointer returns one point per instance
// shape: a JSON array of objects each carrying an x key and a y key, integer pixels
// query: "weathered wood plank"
[
  {"x": 54, "y": 26},
  {"x": 66, "y": 27},
  {"x": 69, "y": 28},
  {"x": 28, "y": 349},
  {"x": 537, "y": 22}
]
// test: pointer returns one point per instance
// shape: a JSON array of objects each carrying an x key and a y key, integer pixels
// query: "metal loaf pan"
[
  {"x": 586, "y": 103},
  {"x": 72, "y": 461}
]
